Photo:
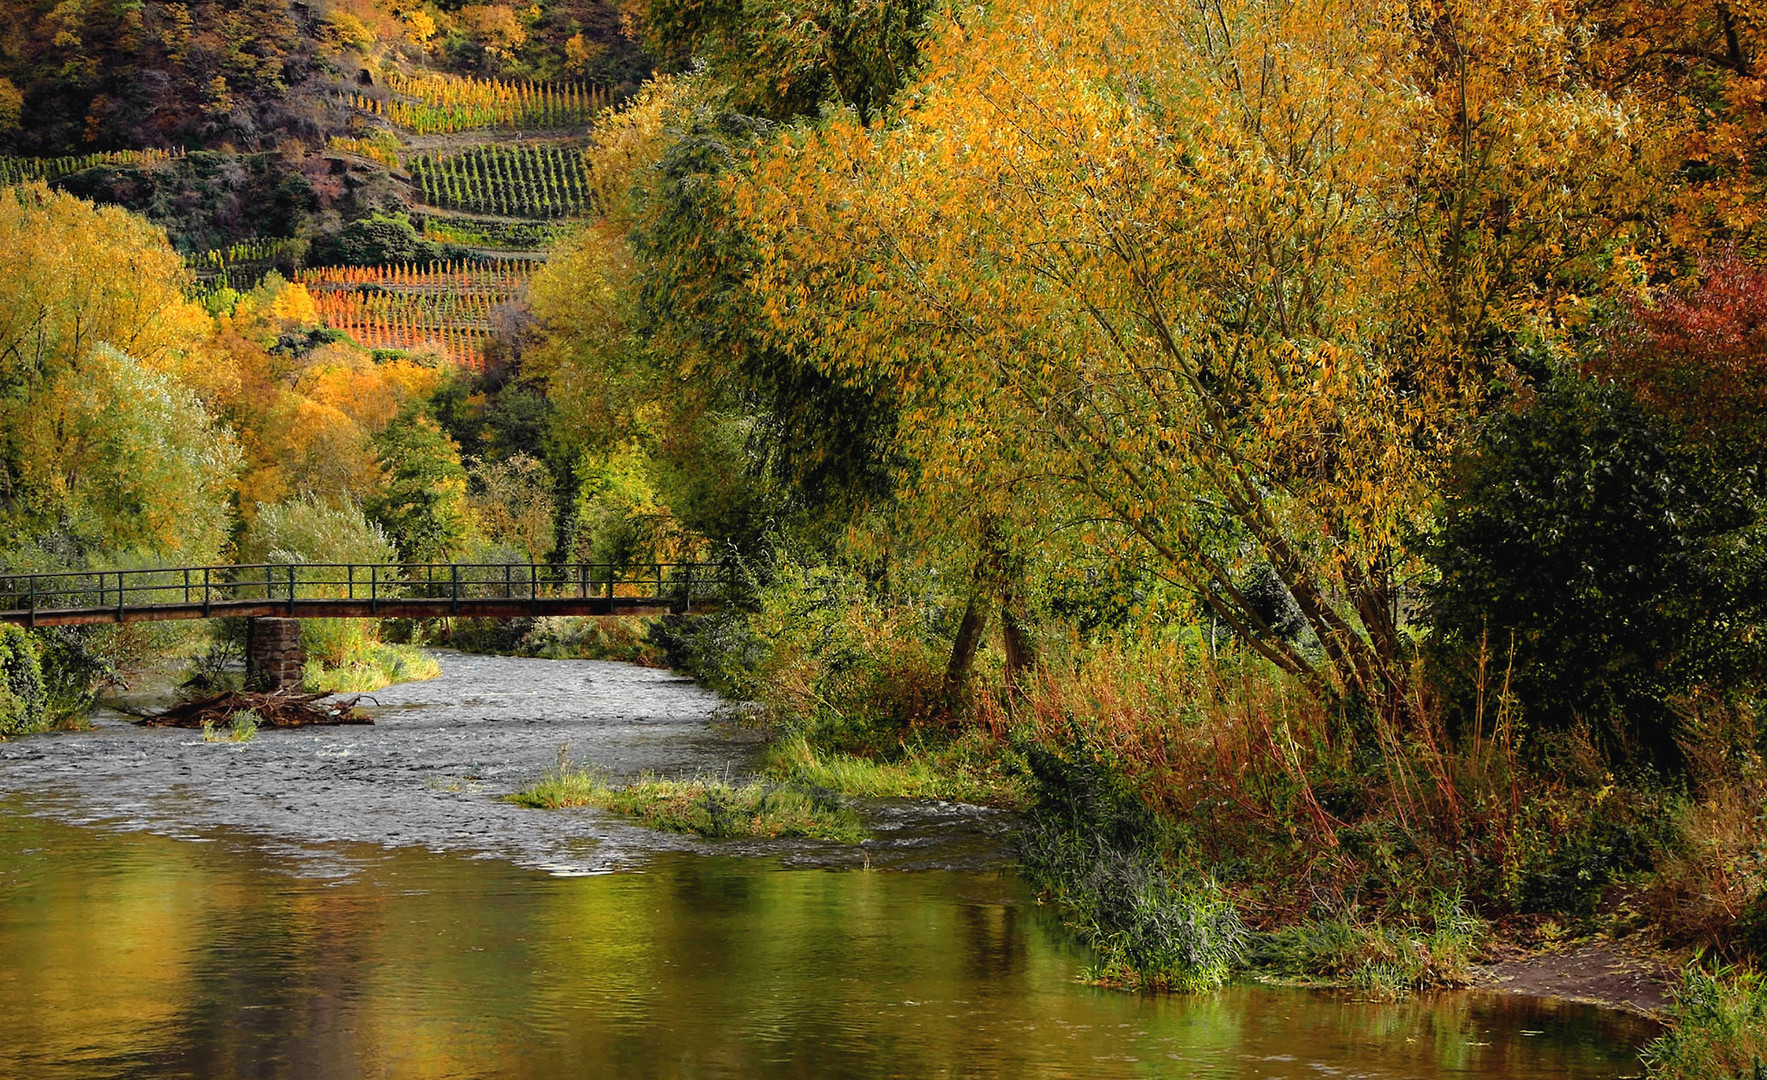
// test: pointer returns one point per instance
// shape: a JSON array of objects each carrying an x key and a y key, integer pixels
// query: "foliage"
[
  {"x": 432, "y": 104},
  {"x": 708, "y": 807},
  {"x": 356, "y": 663},
  {"x": 21, "y": 684},
  {"x": 1092, "y": 846},
  {"x": 512, "y": 504},
  {"x": 423, "y": 505},
  {"x": 308, "y": 530},
  {"x": 375, "y": 241},
  {"x": 969, "y": 769},
  {"x": 1695, "y": 354},
  {"x": 1717, "y": 1028},
  {"x": 1233, "y": 320},
  {"x": 1389, "y": 959},
  {"x": 1612, "y": 564},
  {"x": 127, "y": 459},
  {"x": 784, "y": 58},
  {"x": 76, "y": 664}
]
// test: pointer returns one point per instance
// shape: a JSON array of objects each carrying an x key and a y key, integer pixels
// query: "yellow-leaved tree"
[
  {"x": 1218, "y": 282},
  {"x": 101, "y": 437}
]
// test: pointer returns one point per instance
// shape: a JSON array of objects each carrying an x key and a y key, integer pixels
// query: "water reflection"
[{"x": 135, "y": 955}]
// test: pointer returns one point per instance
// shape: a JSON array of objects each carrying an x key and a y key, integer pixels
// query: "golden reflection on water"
[{"x": 125, "y": 954}]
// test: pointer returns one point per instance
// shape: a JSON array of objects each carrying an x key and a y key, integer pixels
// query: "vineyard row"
[{"x": 529, "y": 181}]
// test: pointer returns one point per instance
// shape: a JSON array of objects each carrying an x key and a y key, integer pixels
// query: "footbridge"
[{"x": 274, "y": 595}]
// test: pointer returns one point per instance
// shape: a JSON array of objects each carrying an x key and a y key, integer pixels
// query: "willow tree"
[{"x": 1224, "y": 280}]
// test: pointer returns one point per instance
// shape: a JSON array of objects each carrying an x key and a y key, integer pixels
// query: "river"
[{"x": 353, "y": 902}]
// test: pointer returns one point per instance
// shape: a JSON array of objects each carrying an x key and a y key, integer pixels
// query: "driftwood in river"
[{"x": 284, "y": 708}]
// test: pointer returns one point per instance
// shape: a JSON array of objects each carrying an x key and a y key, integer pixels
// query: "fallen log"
[{"x": 284, "y": 708}]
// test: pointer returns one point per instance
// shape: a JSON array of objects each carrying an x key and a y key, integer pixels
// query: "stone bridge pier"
[{"x": 274, "y": 658}]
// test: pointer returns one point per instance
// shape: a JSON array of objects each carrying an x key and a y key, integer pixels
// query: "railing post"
[
  {"x": 205, "y": 592},
  {"x": 352, "y": 574},
  {"x": 583, "y": 581},
  {"x": 119, "y": 596},
  {"x": 610, "y": 582},
  {"x": 269, "y": 583},
  {"x": 33, "y": 602},
  {"x": 454, "y": 573},
  {"x": 533, "y": 588},
  {"x": 373, "y": 588},
  {"x": 291, "y": 589},
  {"x": 187, "y": 586}
]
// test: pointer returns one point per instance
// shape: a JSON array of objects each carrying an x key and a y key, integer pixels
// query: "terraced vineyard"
[
  {"x": 490, "y": 233},
  {"x": 443, "y": 104},
  {"x": 242, "y": 263},
  {"x": 443, "y": 307},
  {"x": 517, "y": 181},
  {"x": 16, "y": 170}
]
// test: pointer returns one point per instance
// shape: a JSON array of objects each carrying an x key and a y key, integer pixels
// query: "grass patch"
[
  {"x": 1717, "y": 1029},
  {"x": 704, "y": 807},
  {"x": 965, "y": 771},
  {"x": 1387, "y": 960},
  {"x": 241, "y": 727},
  {"x": 371, "y": 666}
]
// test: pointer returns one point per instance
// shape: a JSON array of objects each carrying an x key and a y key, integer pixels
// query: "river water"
[{"x": 355, "y": 902}]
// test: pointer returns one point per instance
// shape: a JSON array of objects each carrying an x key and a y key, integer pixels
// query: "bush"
[
  {"x": 1717, "y": 1029},
  {"x": 1093, "y": 847},
  {"x": 22, "y": 700},
  {"x": 1622, "y": 563},
  {"x": 375, "y": 241}
]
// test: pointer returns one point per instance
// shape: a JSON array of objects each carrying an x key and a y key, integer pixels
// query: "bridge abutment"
[{"x": 274, "y": 657}]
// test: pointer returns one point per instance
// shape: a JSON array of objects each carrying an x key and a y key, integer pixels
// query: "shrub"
[
  {"x": 1622, "y": 563},
  {"x": 1092, "y": 846},
  {"x": 22, "y": 701},
  {"x": 1717, "y": 1029}
]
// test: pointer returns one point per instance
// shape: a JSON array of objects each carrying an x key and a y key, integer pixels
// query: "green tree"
[{"x": 423, "y": 506}]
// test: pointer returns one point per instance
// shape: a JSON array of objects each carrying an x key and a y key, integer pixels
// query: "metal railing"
[{"x": 307, "y": 588}]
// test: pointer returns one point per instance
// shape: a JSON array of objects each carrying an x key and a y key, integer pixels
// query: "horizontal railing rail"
[{"x": 309, "y": 589}]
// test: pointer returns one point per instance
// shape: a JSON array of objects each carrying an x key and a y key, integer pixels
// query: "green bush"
[
  {"x": 1624, "y": 563},
  {"x": 1717, "y": 1029},
  {"x": 22, "y": 700},
  {"x": 1094, "y": 848}
]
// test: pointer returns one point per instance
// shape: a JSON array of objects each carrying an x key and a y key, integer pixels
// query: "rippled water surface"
[{"x": 358, "y": 903}]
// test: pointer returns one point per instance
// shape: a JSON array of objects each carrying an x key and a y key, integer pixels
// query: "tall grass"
[
  {"x": 1717, "y": 1029},
  {"x": 707, "y": 807}
]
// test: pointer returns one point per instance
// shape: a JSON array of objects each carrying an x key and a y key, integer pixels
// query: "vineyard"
[
  {"x": 15, "y": 170},
  {"x": 518, "y": 181},
  {"x": 444, "y": 307},
  {"x": 443, "y": 104},
  {"x": 481, "y": 233},
  {"x": 250, "y": 257}
]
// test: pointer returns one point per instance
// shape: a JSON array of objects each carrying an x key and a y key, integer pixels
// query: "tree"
[
  {"x": 1697, "y": 355},
  {"x": 128, "y": 460},
  {"x": 423, "y": 504},
  {"x": 1222, "y": 282}
]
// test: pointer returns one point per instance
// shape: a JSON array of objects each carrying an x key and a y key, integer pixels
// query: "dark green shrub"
[{"x": 1623, "y": 563}]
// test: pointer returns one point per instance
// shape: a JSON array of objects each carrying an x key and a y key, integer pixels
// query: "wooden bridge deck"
[{"x": 344, "y": 590}]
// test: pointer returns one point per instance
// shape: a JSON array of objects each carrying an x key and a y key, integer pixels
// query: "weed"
[
  {"x": 970, "y": 769},
  {"x": 1717, "y": 1029},
  {"x": 242, "y": 727}
]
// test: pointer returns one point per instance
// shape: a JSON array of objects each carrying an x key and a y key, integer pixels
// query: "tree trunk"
[
  {"x": 969, "y": 639},
  {"x": 1021, "y": 652}
]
